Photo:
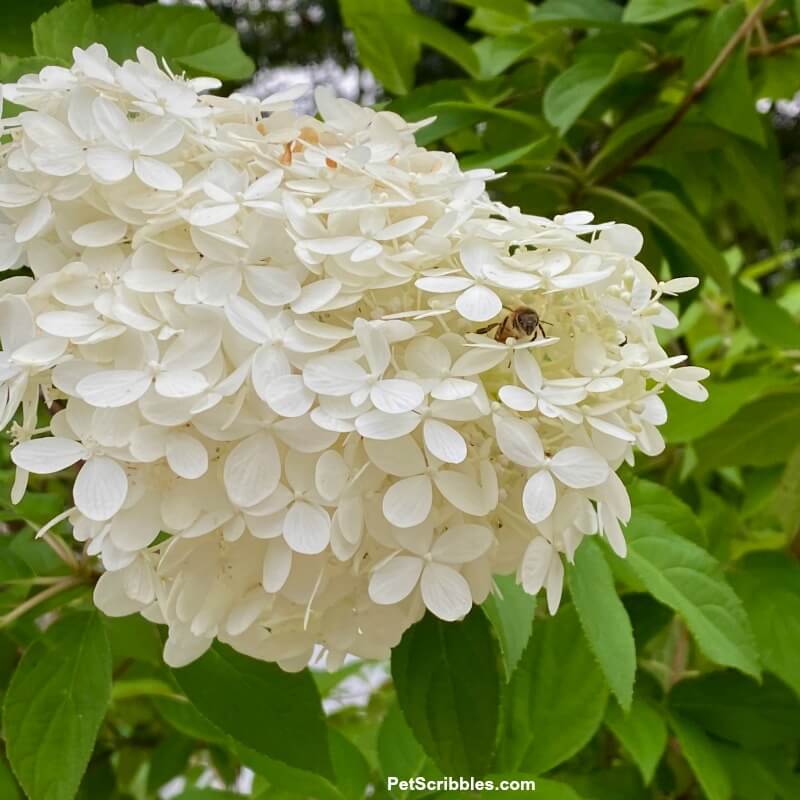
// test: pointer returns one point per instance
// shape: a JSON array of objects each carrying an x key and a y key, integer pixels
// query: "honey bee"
[{"x": 520, "y": 323}]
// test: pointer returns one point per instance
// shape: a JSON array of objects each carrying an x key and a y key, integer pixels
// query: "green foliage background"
[{"x": 672, "y": 674}]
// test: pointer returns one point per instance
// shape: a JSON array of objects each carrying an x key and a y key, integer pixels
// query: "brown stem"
[
  {"x": 698, "y": 88},
  {"x": 768, "y": 49},
  {"x": 680, "y": 654},
  {"x": 37, "y": 599}
]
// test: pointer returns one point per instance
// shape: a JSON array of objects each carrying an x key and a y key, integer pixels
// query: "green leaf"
[
  {"x": 13, "y": 68},
  {"x": 751, "y": 777},
  {"x": 497, "y": 53},
  {"x": 184, "y": 717},
  {"x": 672, "y": 218},
  {"x": 552, "y": 790},
  {"x": 447, "y": 679},
  {"x": 688, "y": 420},
  {"x": 556, "y": 699},
  {"x": 431, "y": 32},
  {"x": 759, "y": 434},
  {"x": 624, "y": 139},
  {"x": 686, "y": 578},
  {"x": 15, "y": 33},
  {"x": 504, "y": 157},
  {"x": 734, "y": 707},
  {"x": 351, "y": 768},
  {"x": 169, "y": 759},
  {"x": 578, "y": 13},
  {"x": 511, "y": 614},
  {"x": 760, "y": 170},
  {"x": 72, "y": 24},
  {"x": 604, "y": 619},
  {"x": 238, "y": 694},
  {"x": 545, "y": 789},
  {"x": 399, "y": 753},
  {"x": 642, "y": 732},
  {"x": 193, "y": 39},
  {"x": 728, "y": 101},
  {"x": 391, "y": 58},
  {"x": 672, "y": 513},
  {"x": 785, "y": 502},
  {"x": 8, "y": 785},
  {"x": 701, "y": 753},
  {"x": 766, "y": 583},
  {"x": 573, "y": 90},
  {"x": 55, "y": 704},
  {"x": 771, "y": 323},
  {"x": 643, "y": 12}
]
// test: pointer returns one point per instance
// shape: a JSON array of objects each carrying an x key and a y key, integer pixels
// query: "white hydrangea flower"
[{"x": 284, "y": 356}]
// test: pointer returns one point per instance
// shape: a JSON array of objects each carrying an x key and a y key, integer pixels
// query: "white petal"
[
  {"x": 622, "y": 238},
  {"x": 109, "y": 164},
  {"x": 461, "y": 544},
  {"x": 617, "y": 431},
  {"x": 444, "y": 284},
  {"x": 186, "y": 456},
  {"x": 395, "y": 580},
  {"x": 137, "y": 527},
  {"x": 510, "y": 278},
  {"x": 454, "y": 389},
  {"x": 330, "y": 475},
  {"x": 269, "y": 363},
  {"x": 307, "y": 528},
  {"x": 34, "y": 221},
  {"x": 69, "y": 324},
  {"x": 476, "y": 255},
  {"x": 246, "y": 611},
  {"x": 477, "y": 360},
  {"x": 691, "y": 390},
  {"x": 277, "y": 565},
  {"x": 462, "y": 491},
  {"x": 539, "y": 496},
  {"x": 444, "y": 442},
  {"x": 39, "y": 352},
  {"x": 445, "y": 592},
  {"x": 408, "y": 502},
  {"x": 555, "y": 584},
  {"x": 380, "y": 426},
  {"x": 288, "y": 396},
  {"x": 247, "y": 319},
  {"x": 528, "y": 370},
  {"x": 333, "y": 375},
  {"x": 180, "y": 383},
  {"x": 479, "y": 304},
  {"x": 395, "y": 396},
  {"x": 46, "y": 456},
  {"x": 110, "y": 597},
  {"x": 335, "y": 245},
  {"x": 252, "y": 470},
  {"x": 313, "y": 296},
  {"x": 273, "y": 287},
  {"x": 203, "y": 216},
  {"x": 579, "y": 467},
  {"x": 517, "y": 398},
  {"x": 100, "y": 488},
  {"x": 536, "y": 564},
  {"x": 264, "y": 185},
  {"x": 401, "y": 457},
  {"x": 157, "y": 175},
  {"x": 100, "y": 234},
  {"x": 113, "y": 388},
  {"x": 519, "y": 441}
]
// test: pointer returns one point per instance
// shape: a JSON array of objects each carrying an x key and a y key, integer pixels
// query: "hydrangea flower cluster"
[{"x": 312, "y": 379}]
